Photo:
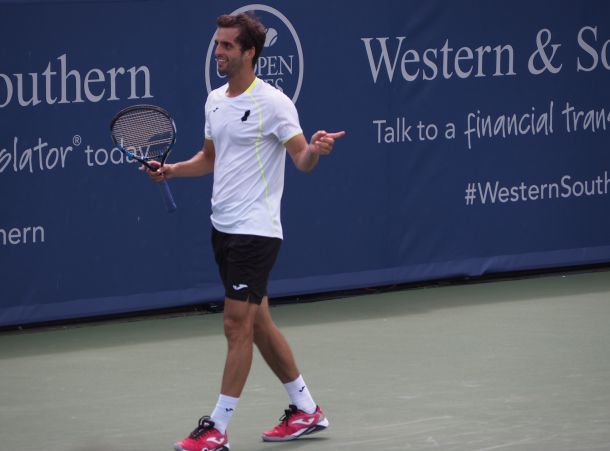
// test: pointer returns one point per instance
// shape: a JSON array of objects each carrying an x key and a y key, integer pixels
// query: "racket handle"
[{"x": 167, "y": 196}]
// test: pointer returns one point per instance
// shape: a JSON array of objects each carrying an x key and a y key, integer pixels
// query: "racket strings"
[{"x": 148, "y": 131}]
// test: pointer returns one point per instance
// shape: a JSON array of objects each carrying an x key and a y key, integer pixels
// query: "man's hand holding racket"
[
  {"x": 146, "y": 133},
  {"x": 160, "y": 173}
]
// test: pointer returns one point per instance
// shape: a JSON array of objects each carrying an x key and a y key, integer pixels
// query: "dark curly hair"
[{"x": 251, "y": 32}]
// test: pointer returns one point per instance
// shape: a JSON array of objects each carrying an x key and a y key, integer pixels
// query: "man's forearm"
[
  {"x": 197, "y": 166},
  {"x": 307, "y": 160}
]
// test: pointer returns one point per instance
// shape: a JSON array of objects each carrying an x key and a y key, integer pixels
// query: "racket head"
[{"x": 146, "y": 132}]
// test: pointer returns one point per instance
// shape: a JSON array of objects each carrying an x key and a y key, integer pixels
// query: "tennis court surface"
[{"x": 521, "y": 365}]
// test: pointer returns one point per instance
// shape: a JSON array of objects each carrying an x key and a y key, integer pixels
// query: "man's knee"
[
  {"x": 238, "y": 329},
  {"x": 235, "y": 328}
]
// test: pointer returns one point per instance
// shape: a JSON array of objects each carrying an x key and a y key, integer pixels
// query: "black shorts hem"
[{"x": 244, "y": 263}]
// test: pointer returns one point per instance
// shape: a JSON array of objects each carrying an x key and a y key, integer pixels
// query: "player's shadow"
[
  {"x": 264, "y": 446},
  {"x": 291, "y": 445}
]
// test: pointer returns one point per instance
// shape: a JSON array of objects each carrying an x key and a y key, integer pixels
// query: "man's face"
[{"x": 228, "y": 55}]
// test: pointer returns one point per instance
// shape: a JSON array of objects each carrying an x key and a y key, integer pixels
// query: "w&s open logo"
[{"x": 281, "y": 63}]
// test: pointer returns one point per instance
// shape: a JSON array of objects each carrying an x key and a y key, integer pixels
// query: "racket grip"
[{"x": 167, "y": 196}]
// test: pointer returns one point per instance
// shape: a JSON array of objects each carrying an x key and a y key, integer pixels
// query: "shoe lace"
[
  {"x": 205, "y": 426},
  {"x": 290, "y": 411}
]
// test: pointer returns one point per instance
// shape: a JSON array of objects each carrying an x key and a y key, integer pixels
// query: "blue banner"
[{"x": 476, "y": 143}]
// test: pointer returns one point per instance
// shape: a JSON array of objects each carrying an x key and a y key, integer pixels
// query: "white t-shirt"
[{"x": 249, "y": 132}]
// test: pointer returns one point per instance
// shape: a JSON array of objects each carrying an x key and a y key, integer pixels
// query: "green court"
[{"x": 521, "y": 365}]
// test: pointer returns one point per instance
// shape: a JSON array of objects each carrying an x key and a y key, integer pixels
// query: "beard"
[{"x": 233, "y": 67}]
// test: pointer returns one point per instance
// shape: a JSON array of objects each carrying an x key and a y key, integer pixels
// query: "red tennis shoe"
[
  {"x": 204, "y": 438},
  {"x": 295, "y": 423}
]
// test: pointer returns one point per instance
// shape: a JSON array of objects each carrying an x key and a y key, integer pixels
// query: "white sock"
[
  {"x": 300, "y": 396},
  {"x": 223, "y": 412}
]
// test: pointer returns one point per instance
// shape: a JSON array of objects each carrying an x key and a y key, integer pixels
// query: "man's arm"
[
  {"x": 201, "y": 164},
  {"x": 305, "y": 155}
]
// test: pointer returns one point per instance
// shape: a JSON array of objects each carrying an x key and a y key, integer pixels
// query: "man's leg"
[
  {"x": 238, "y": 326},
  {"x": 239, "y": 320},
  {"x": 303, "y": 416},
  {"x": 273, "y": 346},
  {"x": 239, "y": 330}
]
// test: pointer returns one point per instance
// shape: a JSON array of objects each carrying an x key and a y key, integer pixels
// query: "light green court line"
[{"x": 517, "y": 365}]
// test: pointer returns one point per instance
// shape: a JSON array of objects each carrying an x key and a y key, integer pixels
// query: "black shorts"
[{"x": 244, "y": 262}]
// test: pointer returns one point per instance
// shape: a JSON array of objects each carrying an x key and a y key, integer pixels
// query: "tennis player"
[{"x": 249, "y": 126}]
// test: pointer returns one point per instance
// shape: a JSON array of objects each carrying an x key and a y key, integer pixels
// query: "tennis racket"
[{"x": 145, "y": 133}]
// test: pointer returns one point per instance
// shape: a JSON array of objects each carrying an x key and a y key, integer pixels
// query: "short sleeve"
[
  {"x": 286, "y": 119},
  {"x": 207, "y": 128}
]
